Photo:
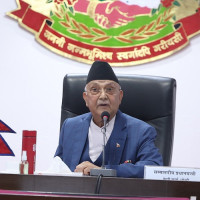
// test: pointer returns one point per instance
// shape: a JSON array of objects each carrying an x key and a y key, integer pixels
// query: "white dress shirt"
[{"x": 95, "y": 136}]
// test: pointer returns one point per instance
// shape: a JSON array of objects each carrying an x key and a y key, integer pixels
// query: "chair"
[{"x": 149, "y": 98}]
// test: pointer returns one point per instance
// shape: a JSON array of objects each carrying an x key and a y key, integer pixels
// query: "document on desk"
[{"x": 58, "y": 168}]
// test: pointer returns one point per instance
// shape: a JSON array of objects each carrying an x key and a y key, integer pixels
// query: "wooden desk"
[{"x": 123, "y": 187}]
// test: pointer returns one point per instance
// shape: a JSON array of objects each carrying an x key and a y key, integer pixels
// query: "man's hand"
[
  {"x": 116, "y": 13},
  {"x": 85, "y": 167}
]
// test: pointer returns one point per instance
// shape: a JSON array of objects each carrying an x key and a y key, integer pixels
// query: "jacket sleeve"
[{"x": 59, "y": 150}]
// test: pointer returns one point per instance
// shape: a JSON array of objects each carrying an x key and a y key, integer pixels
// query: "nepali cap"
[{"x": 101, "y": 70}]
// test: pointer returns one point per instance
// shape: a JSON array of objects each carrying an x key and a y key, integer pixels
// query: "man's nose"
[{"x": 103, "y": 94}]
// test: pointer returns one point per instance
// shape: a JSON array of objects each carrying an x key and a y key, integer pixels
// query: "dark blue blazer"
[{"x": 131, "y": 144}]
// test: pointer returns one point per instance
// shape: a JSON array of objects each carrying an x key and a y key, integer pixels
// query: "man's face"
[{"x": 102, "y": 95}]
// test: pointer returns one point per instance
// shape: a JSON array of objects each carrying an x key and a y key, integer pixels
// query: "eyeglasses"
[{"x": 107, "y": 90}]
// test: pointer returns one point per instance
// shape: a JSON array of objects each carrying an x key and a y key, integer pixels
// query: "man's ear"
[
  {"x": 121, "y": 95},
  {"x": 85, "y": 98}
]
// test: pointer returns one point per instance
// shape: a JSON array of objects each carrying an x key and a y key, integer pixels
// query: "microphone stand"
[
  {"x": 103, "y": 171},
  {"x": 104, "y": 142}
]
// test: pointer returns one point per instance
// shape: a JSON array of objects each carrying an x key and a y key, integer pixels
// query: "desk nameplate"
[{"x": 172, "y": 173}]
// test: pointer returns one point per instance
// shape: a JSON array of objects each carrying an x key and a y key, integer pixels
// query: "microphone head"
[{"x": 106, "y": 115}]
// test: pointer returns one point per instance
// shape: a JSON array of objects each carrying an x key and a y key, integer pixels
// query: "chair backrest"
[{"x": 149, "y": 98}]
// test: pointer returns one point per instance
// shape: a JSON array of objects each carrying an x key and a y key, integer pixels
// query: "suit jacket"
[{"x": 131, "y": 144}]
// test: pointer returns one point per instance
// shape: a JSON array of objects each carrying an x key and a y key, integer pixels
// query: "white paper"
[{"x": 58, "y": 167}]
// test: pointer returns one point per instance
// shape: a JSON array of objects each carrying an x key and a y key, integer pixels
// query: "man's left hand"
[{"x": 85, "y": 167}]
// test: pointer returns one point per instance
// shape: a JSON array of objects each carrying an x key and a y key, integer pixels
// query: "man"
[{"x": 129, "y": 141}]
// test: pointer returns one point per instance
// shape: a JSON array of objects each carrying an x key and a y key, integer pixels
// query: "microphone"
[
  {"x": 105, "y": 116},
  {"x": 103, "y": 171}
]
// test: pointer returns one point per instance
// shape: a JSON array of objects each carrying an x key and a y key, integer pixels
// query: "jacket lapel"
[
  {"x": 79, "y": 140},
  {"x": 117, "y": 139}
]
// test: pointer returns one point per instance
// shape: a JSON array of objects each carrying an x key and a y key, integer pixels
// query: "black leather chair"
[{"x": 149, "y": 98}]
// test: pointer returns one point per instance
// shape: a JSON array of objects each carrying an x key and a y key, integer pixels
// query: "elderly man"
[{"x": 129, "y": 141}]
